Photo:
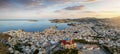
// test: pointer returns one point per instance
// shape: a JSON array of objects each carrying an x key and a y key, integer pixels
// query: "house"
[{"x": 68, "y": 43}]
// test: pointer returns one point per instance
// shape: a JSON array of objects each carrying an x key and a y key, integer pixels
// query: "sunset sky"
[{"x": 59, "y": 8}]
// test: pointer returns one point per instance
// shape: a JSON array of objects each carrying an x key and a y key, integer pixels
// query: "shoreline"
[{"x": 89, "y": 31}]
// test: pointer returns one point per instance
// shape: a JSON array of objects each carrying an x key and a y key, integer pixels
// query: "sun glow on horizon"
[{"x": 59, "y": 9}]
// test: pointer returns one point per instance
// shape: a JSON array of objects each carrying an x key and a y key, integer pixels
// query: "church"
[{"x": 68, "y": 43}]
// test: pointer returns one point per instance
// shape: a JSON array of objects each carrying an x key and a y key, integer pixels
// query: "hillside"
[
  {"x": 115, "y": 21},
  {"x": 3, "y": 48}
]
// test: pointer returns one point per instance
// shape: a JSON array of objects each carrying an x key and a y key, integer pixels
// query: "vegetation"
[
  {"x": 66, "y": 51},
  {"x": 84, "y": 41},
  {"x": 3, "y": 48},
  {"x": 98, "y": 37},
  {"x": 17, "y": 47},
  {"x": 80, "y": 40},
  {"x": 36, "y": 51},
  {"x": 108, "y": 49},
  {"x": 4, "y": 36}
]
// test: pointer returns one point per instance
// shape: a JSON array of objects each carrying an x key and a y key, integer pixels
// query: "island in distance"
[
  {"x": 33, "y": 20},
  {"x": 84, "y": 36}
]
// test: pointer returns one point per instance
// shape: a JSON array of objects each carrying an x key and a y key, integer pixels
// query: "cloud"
[
  {"x": 4, "y": 3},
  {"x": 33, "y": 4},
  {"x": 89, "y": 12},
  {"x": 57, "y": 8},
  {"x": 90, "y": 0},
  {"x": 20, "y": 5},
  {"x": 81, "y": 7},
  {"x": 66, "y": 1},
  {"x": 19, "y": 2}
]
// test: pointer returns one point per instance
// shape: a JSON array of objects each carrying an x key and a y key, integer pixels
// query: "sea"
[{"x": 29, "y": 26}]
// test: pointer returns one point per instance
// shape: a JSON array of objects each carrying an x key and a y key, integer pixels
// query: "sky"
[{"x": 20, "y": 9}]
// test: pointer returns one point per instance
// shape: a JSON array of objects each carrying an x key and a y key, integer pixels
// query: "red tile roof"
[{"x": 66, "y": 42}]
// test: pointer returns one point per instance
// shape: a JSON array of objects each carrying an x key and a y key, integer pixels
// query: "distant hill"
[{"x": 115, "y": 21}]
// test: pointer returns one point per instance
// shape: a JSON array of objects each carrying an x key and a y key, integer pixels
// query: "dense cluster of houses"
[{"x": 29, "y": 42}]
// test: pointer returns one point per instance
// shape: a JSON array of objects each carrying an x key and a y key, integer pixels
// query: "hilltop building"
[{"x": 68, "y": 43}]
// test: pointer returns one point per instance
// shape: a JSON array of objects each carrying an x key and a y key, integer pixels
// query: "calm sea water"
[{"x": 28, "y": 26}]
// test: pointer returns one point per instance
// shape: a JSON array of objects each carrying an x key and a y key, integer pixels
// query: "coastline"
[{"x": 86, "y": 30}]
